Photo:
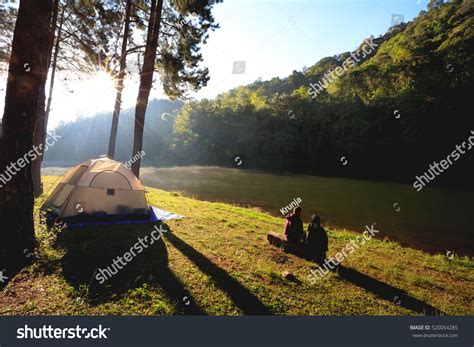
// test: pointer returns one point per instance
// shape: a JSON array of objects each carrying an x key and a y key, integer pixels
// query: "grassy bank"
[{"x": 217, "y": 261}]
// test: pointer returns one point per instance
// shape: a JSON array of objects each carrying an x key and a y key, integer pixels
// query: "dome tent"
[{"x": 98, "y": 190}]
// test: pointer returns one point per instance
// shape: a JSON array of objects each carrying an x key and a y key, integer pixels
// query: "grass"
[{"x": 217, "y": 261}]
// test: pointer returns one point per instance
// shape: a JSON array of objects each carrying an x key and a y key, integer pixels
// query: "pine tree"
[
  {"x": 120, "y": 80},
  {"x": 172, "y": 47},
  {"x": 25, "y": 91}
]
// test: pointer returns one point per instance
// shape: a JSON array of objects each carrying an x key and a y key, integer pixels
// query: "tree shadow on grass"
[
  {"x": 88, "y": 250},
  {"x": 387, "y": 292},
  {"x": 11, "y": 265},
  {"x": 241, "y": 296}
]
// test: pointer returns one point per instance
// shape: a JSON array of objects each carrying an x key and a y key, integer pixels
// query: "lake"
[{"x": 435, "y": 220}]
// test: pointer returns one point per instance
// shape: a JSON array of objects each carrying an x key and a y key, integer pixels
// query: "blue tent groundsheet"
[{"x": 156, "y": 215}]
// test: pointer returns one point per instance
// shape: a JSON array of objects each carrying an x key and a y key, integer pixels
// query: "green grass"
[{"x": 217, "y": 262}]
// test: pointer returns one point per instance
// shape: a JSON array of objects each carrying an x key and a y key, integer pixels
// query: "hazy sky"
[{"x": 272, "y": 37}]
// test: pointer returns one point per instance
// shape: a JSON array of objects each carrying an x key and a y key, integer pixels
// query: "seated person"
[
  {"x": 317, "y": 242},
  {"x": 294, "y": 231}
]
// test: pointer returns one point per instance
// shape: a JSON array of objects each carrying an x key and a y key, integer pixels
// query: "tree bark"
[
  {"x": 37, "y": 139},
  {"x": 53, "y": 76},
  {"x": 120, "y": 82},
  {"x": 25, "y": 92},
  {"x": 146, "y": 80},
  {"x": 39, "y": 136}
]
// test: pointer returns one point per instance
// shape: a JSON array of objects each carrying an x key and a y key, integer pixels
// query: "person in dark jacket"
[
  {"x": 294, "y": 231},
  {"x": 317, "y": 241}
]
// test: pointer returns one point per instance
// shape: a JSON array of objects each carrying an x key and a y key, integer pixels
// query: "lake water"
[{"x": 435, "y": 220}]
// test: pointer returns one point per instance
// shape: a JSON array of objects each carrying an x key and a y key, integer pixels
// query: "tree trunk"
[
  {"x": 146, "y": 80},
  {"x": 39, "y": 128},
  {"x": 39, "y": 136},
  {"x": 28, "y": 66},
  {"x": 53, "y": 76},
  {"x": 120, "y": 81}
]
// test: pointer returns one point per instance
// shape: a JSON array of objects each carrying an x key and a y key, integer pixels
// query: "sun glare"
[
  {"x": 84, "y": 96},
  {"x": 88, "y": 95},
  {"x": 96, "y": 93}
]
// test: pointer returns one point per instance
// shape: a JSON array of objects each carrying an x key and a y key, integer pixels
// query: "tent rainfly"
[{"x": 98, "y": 190}]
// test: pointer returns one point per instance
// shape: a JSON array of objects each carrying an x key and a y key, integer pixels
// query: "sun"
[
  {"x": 100, "y": 91},
  {"x": 102, "y": 80},
  {"x": 88, "y": 95}
]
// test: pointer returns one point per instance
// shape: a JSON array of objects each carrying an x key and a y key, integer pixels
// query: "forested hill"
[{"x": 389, "y": 113}]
